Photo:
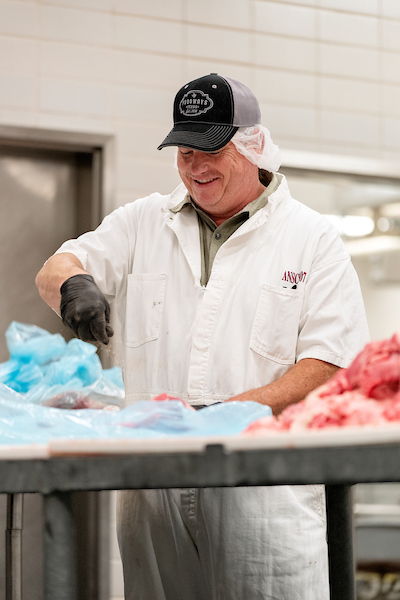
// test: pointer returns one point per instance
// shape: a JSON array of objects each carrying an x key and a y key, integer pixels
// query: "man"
[{"x": 227, "y": 289}]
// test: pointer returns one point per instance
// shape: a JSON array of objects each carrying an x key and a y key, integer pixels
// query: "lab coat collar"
[{"x": 274, "y": 199}]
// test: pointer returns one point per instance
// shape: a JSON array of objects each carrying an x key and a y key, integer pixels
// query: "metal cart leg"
[
  {"x": 15, "y": 504},
  {"x": 60, "y": 577},
  {"x": 340, "y": 542}
]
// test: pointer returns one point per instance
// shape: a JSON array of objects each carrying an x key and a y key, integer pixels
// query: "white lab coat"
[
  {"x": 248, "y": 325},
  {"x": 206, "y": 344}
]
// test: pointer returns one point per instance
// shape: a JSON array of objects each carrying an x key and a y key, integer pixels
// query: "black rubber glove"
[{"x": 85, "y": 310}]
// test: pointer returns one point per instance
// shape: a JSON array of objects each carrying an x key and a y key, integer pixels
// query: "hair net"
[{"x": 256, "y": 145}]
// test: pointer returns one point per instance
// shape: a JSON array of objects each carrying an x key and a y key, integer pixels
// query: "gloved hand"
[{"x": 85, "y": 310}]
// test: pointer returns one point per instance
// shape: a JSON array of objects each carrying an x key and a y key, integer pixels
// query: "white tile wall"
[
  {"x": 390, "y": 67},
  {"x": 369, "y": 7},
  {"x": 104, "y": 5},
  {"x": 391, "y": 100},
  {"x": 286, "y": 88},
  {"x": 19, "y": 18},
  {"x": 392, "y": 133},
  {"x": 302, "y": 2},
  {"x": 173, "y": 9},
  {"x": 72, "y": 61},
  {"x": 357, "y": 30},
  {"x": 143, "y": 105},
  {"x": 290, "y": 121},
  {"x": 156, "y": 71},
  {"x": 327, "y": 73},
  {"x": 18, "y": 91},
  {"x": 75, "y": 97},
  {"x": 198, "y": 67},
  {"x": 69, "y": 122},
  {"x": 349, "y": 128},
  {"x": 391, "y": 8},
  {"x": 211, "y": 42},
  {"x": 152, "y": 35},
  {"x": 18, "y": 55},
  {"x": 137, "y": 172},
  {"x": 283, "y": 19},
  {"x": 349, "y": 94},
  {"x": 349, "y": 61},
  {"x": 73, "y": 25},
  {"x": 21, "y": 118},
  {"x": 139, "y": 139},
  {"x": 390, "y": 155},
  {"x": 285, "y": 53},
  {"x": 225, "y": 13},
  {"x": 391, "y": 34}
]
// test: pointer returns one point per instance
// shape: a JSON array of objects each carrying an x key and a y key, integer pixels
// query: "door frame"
[
  {"x": 92, "y": 509},
  {"x": 102, "y": 146}
]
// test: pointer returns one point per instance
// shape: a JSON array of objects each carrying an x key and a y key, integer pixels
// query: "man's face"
[{"x": 221, "y": 183}]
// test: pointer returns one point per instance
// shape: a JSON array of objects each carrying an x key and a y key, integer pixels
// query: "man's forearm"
[
  {"x": 53, "y": 274},
  {"x": 292, "y": 387}
]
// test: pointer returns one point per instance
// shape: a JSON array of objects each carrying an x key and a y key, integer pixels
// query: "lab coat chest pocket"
[
  {"x": 145, "y": 307},
  {"x": 275, "y": 327}
]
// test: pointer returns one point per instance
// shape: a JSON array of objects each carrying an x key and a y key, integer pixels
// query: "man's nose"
[{"x": 199, "y": 162}]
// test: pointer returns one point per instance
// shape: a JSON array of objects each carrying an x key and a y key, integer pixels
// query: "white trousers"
[{"x": 254, "y": 543}]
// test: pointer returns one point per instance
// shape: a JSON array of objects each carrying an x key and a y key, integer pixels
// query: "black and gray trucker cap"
[{"x": 208, "y": 112}]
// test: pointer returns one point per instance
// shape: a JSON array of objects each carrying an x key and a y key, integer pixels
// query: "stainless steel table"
[{"x": 144, "y": 465}]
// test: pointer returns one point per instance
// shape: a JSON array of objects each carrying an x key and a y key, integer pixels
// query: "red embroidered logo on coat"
[{"x": 292, "y": 277}]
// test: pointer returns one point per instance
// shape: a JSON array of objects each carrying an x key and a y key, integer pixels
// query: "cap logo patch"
[{"x": 195, "y": 103}]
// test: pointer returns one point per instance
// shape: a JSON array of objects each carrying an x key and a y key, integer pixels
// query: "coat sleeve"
[
  {"x": 107, "y": 252},
  {"x": 333, "y": 325}
]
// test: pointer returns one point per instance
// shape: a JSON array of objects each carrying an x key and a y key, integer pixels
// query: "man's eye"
[{"x": 185, "y": 153}]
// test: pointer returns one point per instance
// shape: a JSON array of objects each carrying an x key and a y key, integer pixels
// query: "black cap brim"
[{"x": 205, "y": 137}]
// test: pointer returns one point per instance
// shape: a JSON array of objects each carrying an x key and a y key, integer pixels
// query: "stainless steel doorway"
[
  {"x": 47, "y": 195},
  {"x": 45, "y": 198}
]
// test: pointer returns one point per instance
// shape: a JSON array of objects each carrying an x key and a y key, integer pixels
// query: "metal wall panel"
[{"x": 38, "y": 211}]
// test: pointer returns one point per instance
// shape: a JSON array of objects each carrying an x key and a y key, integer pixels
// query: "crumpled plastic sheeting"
[
  {"x": 31, "y": 423},
  {"x": 43, "y": 365}
]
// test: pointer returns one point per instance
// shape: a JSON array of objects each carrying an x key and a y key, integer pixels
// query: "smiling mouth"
[{"x": 205, "y": 181}]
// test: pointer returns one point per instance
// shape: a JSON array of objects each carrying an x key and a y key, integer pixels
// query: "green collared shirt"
[{"x": 211, "y": 236}]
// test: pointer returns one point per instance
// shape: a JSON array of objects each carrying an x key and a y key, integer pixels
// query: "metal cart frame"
[{"x": 58, "y": 478}]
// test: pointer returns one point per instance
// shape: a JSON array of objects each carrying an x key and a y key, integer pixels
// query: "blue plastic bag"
[
  {"x": 31, "y": 423},
  {"x": 29, "y": 343},
  {"x": 44, "y": 366},
  {"x": 171, "y": 417}
]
